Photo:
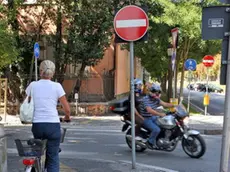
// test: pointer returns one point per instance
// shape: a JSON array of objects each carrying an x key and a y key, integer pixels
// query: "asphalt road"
[
  {"x": 94, "y": 146},
  {"x": 216, "y": 104}
]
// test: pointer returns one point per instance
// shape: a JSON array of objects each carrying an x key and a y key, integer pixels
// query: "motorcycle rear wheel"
[
  {"x": 129, "y": 143},
  {"x": 189, "y": 146}
]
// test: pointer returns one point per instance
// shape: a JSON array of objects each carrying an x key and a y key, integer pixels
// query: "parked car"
[
  {"x": 210, "y": 88},
  {"x": 216, "y": 88},
  {"x": 198, "y": 87},
  {"x": 190, "y": 86}
]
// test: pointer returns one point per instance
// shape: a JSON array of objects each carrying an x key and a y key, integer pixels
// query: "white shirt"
[{"x": 45, "y": 95}]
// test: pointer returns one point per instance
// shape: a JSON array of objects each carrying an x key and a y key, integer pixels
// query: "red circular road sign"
[
  {"x": 208, "y": 60},
  {"x": 131, "y": 23}
]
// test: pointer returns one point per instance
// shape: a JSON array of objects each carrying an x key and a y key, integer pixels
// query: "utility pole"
[{"x": 226, "y": 128}]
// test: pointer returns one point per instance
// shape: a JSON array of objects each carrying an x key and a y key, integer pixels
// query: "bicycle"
[{"x": 33, "y": 151}]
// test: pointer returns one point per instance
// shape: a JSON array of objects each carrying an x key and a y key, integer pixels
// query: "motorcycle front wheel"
[
  {"x": 194, "y": 146},
  {"x": 129, "y": 142}
]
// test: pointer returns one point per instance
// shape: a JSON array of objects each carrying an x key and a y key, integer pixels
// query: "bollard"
[{"x": 3, "y": 150}]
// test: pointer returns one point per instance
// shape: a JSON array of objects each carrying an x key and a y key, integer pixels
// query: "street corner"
[{"x": 65, "y": 168}]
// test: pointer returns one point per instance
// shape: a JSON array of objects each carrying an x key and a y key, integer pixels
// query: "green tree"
[
  {"x": 8, "y": 50},
  {"x": 89, "y": 33}
]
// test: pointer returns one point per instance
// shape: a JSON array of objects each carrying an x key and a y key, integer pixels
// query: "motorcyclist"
[
  {"x": 137, "y": 98},
  {"x": 148, "y": 110}
]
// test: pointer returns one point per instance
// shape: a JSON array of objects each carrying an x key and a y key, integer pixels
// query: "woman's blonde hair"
[{"x": 47, "y": 68}]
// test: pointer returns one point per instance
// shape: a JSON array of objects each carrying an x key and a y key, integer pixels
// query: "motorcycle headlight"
[{"x": 186, "y": 121}]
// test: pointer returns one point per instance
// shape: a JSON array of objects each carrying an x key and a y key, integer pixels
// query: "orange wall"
[
  {"x": 122, "y": 73},
  {"x": 95, "y": 84},
  {"x": 107, "y": 62},
  {"x": 68, "y": 85}
]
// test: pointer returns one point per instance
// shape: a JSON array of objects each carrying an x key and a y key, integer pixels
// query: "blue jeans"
[
  {"x": 150, "y": 123},
  {"x": 51, "y": 132}
]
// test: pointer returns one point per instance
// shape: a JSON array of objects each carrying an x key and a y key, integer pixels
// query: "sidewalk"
[{"x": 209, "y": 125}]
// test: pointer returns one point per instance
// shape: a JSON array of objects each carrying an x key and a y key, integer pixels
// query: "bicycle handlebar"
[{"x": 63, "y": 120}]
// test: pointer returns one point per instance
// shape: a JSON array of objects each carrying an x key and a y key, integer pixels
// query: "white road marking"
[{"x": 150, "y": 166}]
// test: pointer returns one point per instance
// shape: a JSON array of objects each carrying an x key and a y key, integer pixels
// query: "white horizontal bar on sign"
[
  {"x": 208, "y": 61},
  {"x": 131, "y": 23}
]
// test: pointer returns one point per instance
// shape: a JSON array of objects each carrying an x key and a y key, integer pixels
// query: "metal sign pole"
[
  {"x": 36, "y": 56},
  {"x": 206, "y": 106},
  {"x": 36, "y": 68},
  {"x": 226, "y": 128},
  {"x": 132, "y": 107},
  {"x": 174, "y": 84},
  {"x": 189, "y": 82},
  {"x": 174, "y": 73}
]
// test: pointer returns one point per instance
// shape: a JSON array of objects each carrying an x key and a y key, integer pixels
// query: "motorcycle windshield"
[{"x": 181, "y": 111}]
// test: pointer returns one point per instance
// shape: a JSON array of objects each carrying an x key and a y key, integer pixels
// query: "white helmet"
[{"x": 155, "y": 88}]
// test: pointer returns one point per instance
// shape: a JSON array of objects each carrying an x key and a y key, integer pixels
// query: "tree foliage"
[{"x": 8, "y": 50}]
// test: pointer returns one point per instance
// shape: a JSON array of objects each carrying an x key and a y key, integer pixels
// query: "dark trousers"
[{"x": 51, "y": 132}]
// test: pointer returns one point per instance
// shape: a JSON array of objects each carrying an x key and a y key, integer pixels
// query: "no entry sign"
[
  {"x": 131, "y": 23},
  {"x": 208, "y": 60}
]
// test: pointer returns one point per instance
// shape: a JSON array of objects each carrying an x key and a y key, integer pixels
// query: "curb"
[{"x": 211, "y": 132}]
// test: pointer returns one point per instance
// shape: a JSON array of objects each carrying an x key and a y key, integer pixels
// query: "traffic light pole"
[{"x": 226, "y": 128}]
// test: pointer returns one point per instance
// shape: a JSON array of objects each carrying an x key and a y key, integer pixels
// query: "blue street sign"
[
  {"x": 36, "y": 50},
  {"x": 190, "y": 64}
]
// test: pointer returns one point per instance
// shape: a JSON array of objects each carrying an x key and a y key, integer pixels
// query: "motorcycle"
[{"x": 174, "y": 128}]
